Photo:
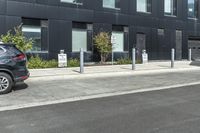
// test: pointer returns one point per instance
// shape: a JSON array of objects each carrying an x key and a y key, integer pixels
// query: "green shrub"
[
  {"x": 17, "y": 37},
  {"x": 51, "y": 64},
  {"x": 73, "y": 62},
  {"x": 103, "y": 44},
  {"x": 122, "y": 61},
  {"x": 138, "y": 61},
  {"x": 38, "y": 63}
]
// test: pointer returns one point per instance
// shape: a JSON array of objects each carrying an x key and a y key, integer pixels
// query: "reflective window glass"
[
  {"x": 72, "y": 1},
  {"x": 171, "y": 7},
  {"x": 143, "y": 5},
  {"x": 119, "y": 45},
  {"x": 192, "y": 8},
  {"x": 79, "y": 40},
  {"x": 111, "y": 3},
  {"x": 33, "y": 32}
]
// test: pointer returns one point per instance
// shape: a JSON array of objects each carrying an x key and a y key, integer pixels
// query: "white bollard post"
[
  {"x": 133, "y": 59},
  {"x": 190, "y": 54},
  {"x": 81, "y": 60},
  {"x": 172, "y": 57}
]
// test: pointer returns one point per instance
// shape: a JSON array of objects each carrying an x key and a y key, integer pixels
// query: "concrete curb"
[{"x": 95, "y": 96}]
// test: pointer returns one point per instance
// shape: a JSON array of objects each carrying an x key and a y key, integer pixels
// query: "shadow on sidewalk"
[
  {"x": 20, "y": 86},
  {"x": 126, "y": 68},
  {"x": 76, "y": 71},
  {"x": 195, "y": 63}
]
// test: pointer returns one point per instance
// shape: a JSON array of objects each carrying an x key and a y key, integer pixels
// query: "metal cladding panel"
[
  {"x": 179, "y": 40},
  {"x": 111, "y": 18},
  {"x": 19, "y": 9},
  {"x": 12, "y": 21},
  {"x": 2, "y": 24},
  {"x": 125, "y": 6},
  {"x": 83, "y": 15},
  {"x": 61, "y": 15},
  {"x": 2, "y": 6},
  {"x": 27, "y": 10},
  {"x": 99, "y": 27},
  {"x": 154, "y": 44},
  {"x": 185, "y": 45},
  {"x": 60, "y": 36}
]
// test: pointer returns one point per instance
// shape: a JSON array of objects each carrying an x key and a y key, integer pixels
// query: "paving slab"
[
  {"x": 151, "y": 66},
  {"x": 46, "y": 87}
]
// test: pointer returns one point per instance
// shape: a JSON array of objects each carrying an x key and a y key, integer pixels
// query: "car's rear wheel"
[{"x": 6, "y": 83}]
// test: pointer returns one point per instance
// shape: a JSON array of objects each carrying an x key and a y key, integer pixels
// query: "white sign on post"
[
  {"x": 113, "y": 39},
  {"x": 144, "y": 57},
  {"x": 62, "y": 60}
]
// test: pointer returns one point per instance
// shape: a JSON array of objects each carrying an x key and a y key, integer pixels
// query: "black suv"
[{"x": 12, "y": 67}]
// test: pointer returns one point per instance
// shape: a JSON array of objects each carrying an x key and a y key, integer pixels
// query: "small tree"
[
  {"x": 17, "y": 38},
  {"x": 103, "y": 44}
]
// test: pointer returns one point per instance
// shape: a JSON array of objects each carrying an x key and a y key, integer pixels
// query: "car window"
[
  {"x": 2, "y": 51},
  {"x": 2, "y": 55},
  {"x": 11, "y": 50}
]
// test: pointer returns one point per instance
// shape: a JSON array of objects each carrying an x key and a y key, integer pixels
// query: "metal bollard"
[
  {"x": 133, "y": 59},
  {"x": 190, "y": 54},
  {"x": 81, "y": 60},
  {"x": 172, "y": 57},
  {"x": 112, "y": 56}
]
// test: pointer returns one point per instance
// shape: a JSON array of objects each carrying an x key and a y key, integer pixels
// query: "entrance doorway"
[
  {"x": 194, "y": 44},
  {"x": 140, "y": 45},
  {"x": 178, "y": 45}
]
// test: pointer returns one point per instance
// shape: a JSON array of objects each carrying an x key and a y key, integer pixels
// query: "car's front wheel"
[{"x": 6, "y": 83}]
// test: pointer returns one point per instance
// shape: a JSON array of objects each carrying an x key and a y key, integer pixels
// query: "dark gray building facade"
[{"x": 154, "y": 25}]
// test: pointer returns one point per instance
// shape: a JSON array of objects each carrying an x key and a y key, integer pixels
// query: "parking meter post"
[
  {"x": 133, "y": 59},
  {"x": 190, "y": 54},
  {"x": 172, "y": 58},
  {"x": 81, "y": 60}
]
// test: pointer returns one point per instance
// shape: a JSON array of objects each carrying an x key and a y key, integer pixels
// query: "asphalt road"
[{"x": 175, "y": 110}]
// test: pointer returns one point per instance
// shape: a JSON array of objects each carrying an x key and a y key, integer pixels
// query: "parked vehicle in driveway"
[{"x": 12, "y": 67}]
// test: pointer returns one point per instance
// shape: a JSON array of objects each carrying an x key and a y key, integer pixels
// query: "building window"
[
  {"x": 161, "y": 32},
  {"x": 37, "y": 30},
  {"x": 79, "y": 39},
  {"x": 193, "y": 8},
  {"x": 111, "y": 4},
  {"x": 82, "y": 34},
  {"x": 72, "y": 1},
  {"x": 171, "y": 7},
  {"x": 33, "y": 32},
  {"x": 118, "y": 46},
  {"x": 144, "y": 5}
]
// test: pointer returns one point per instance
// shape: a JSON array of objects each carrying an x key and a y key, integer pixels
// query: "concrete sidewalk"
[
  {"x": 151, "y": 67},
  {"x": 52, "y": 86}
]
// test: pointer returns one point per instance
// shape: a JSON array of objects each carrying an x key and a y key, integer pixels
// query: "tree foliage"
[
  {"x": 17, "y": 37},
  {"x": 103, "y": 44}
]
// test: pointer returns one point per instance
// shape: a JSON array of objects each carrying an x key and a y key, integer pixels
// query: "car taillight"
[{"x": 19, "y": 57}]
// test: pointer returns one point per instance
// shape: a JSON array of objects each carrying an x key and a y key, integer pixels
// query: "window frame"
[
  {"x": 196, "y": 13},
  {"x": 80, "y": 29},
  {"x": 120, "y": 51},
  {"x": 148, "y": 5},
  {"x": 75, "y": 2},
  {"x": 109, "y": 7},
  {"x": 34, "y": 27},
  {"x": 174, "y": 9}
]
